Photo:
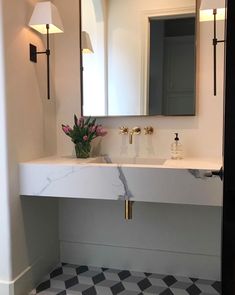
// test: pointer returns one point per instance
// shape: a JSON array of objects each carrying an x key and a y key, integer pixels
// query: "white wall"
[
  {"x": 82, "y": 222},
  {"x": 5, "y": 255},
  {"x": 29, "y": 234}
]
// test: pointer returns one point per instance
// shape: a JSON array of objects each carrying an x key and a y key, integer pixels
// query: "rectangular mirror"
[{"x": 138, "y": 57}]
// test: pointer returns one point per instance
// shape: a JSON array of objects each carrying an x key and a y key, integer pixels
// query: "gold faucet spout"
[
  {"x": 130, "y": 137},
  {"x": 133, "y": 131}
]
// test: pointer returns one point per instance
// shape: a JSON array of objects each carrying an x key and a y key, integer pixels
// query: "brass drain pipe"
[{"x": 128, "y": 209}]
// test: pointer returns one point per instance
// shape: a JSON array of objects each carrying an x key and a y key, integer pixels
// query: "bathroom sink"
[
  {"x": 129, "y": 160},
  {"x": 142, "y": 179}
]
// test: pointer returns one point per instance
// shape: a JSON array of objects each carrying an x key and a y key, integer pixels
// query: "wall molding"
[
  {"x": 6, "y": 288},
  {"x": 149, "y": 260},
  {"x": 29, "y": 277},
  {"x": 15, "y": 286}
]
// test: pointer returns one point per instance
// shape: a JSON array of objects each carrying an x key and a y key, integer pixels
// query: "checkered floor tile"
[{"x": 70, "y": 279}]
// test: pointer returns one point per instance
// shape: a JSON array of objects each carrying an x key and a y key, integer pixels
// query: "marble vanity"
[{"x": 186, "y": 181}]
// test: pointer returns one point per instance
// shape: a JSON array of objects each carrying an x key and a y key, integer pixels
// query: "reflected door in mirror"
[{"x": 172, "y": 66}]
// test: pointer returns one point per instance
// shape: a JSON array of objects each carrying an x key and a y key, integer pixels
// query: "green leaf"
[
  {"x": 75, "y": 120},
  {"x": 93, "y": 122},
  {"x": 87, "y": 121}
]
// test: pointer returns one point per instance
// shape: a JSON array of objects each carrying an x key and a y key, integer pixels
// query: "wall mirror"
[{"x": 138, "y": 57}]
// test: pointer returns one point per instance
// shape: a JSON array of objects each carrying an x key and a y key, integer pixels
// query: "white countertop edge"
[{"x": 187, "y": 163}]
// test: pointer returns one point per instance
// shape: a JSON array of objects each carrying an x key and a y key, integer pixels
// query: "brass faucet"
[
  {"x": 123, "y": 130},
  {"x": 134, "y": 131},
  {"x": 148, "y": 130}
]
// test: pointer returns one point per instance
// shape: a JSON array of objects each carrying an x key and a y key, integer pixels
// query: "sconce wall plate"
[{"x": 32, "y": 53}]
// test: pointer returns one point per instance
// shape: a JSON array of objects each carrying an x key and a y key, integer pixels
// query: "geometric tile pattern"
[{"x": 70, "y": 279}]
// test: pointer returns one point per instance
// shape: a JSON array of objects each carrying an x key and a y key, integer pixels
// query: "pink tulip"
[
  {"x": 100, "y": 131},
  {"x": 80, "y": 122},
  {"x": 92, "y": 128},
  {"x": 85, "y": 137},
  {"x": 66, "y": 129}
]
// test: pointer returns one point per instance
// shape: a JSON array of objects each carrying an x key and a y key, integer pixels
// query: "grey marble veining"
[{"x": 127, "y": 193}]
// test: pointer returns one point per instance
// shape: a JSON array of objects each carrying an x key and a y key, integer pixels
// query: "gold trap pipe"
[{"x": 128, "y": 209}]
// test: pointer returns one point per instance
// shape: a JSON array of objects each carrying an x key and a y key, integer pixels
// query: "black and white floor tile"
[{"x": 69, "y": 279}]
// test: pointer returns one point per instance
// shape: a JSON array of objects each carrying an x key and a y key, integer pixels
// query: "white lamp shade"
[
  {"x": 46, "y": 13},
  {"x": 86, "y": 43},
  {"x": 211, "y": 4},
  {"x": 206, "y": 10}
]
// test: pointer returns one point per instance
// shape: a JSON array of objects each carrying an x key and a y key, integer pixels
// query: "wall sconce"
[
  {"x": 46, "y": 20},
  {"x": 86, "y": 43},
  {"x": 213, "y": 10}
]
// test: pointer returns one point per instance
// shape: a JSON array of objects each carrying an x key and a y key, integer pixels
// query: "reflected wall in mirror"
[{"x": 143, "y": 57}]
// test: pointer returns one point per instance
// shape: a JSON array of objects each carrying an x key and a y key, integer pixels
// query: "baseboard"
[
  {"x": 6, "y": 288},
  {"x": 28, "y": 278},
  {"x": 147, "y": 260}
]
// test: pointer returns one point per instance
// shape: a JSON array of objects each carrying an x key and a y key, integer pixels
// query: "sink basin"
[{"x": 129, "y": 160}]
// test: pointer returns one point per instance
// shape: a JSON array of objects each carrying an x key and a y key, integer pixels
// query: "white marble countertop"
[{"x": 174, "y": 181}]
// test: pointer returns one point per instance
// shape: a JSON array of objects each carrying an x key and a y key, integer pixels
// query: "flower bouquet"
[{"x": 82, "y": 133}]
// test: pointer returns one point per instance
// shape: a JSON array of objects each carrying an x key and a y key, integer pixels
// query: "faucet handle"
[
  {"x": 136, "y": 130},
  {"x": 123, "y": 130},
  {"x": 148, "y": 130}
]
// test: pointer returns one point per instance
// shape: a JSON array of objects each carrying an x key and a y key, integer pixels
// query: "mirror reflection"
[{"x": 138, "y": 57}]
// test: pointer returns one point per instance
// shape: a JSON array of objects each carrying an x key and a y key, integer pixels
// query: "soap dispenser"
[{"x": 176, "y": 149}]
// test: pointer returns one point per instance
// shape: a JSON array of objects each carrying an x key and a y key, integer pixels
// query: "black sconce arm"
[{"x": 33, "y": 57}]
